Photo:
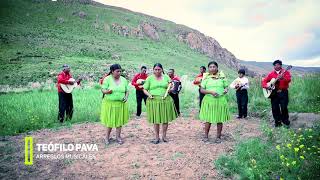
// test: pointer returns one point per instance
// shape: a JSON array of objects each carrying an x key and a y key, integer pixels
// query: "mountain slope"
[{"x": 37, "y": 37}]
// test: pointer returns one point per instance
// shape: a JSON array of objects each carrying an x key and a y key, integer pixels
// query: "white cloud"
[
  {"x": 315, "y": 62},
  {"x": 249, "y": 29}
]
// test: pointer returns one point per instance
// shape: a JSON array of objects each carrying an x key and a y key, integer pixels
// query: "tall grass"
[
  {"x": 26, "y": 111},
  {"x": 284, "y": 154},
  {"x": 304, "y": 94},
  {"x": 33, "y": 110}
]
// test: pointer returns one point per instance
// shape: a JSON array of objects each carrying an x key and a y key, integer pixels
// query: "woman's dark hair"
[
  {"x": 114, "y": 67},
  {"x": 213, "y": 62},
  {"x": 242, "y": 71},
  {"x": 158, "y": 65},
  {"x": 143, "y": 67},
  {"x": 277, "y": 62},
  {"x": 203, "y": 67}
]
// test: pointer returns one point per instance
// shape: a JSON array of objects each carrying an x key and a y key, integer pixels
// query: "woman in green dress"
[
  {"x": 214, "y": 107},
  {"x": 114, "y": 108},
  {"x": 160, "y": 107}
]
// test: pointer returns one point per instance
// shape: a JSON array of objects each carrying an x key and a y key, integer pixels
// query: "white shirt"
[{"x": 241, "y": 82}]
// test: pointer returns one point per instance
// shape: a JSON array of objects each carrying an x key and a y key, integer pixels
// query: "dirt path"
[{"x": 183, "y": 157}]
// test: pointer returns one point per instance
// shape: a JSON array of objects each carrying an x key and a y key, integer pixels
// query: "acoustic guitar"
[
  {"x": 240, "y": 86},
  {"x": 140, "y": 82},
  {"x": 176, "y": 87},
  {"x": 271, "y": 84},
  {"x": 68, "y": 88}
]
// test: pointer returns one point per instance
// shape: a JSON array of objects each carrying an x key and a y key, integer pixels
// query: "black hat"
[
  {"x": 242, "y": 71},
  {"x": 65, "y": 66},
  {"x": 277, "y": 62}
]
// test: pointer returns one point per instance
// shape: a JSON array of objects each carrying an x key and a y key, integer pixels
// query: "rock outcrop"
[
  {"x": 143, "y": 30},
  {"x": 80, "y": 14},
  {"x": 208, "y": 46},
  {"x": 150, "y": 31}
]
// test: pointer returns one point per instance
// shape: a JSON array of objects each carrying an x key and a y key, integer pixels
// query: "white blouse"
[{"x": 241, "y": 82}]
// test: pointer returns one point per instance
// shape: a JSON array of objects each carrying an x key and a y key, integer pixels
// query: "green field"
[{"x": 32, "y": 110}]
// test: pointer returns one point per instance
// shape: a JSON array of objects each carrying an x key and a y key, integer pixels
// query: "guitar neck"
[
  {"x": 167, "y": 91},
  {"x": 241, "y": 86},
  {"x": 277, "y": 79},
  {"x": 281, "y": 73},
  {"x": 288, "y": 68}
]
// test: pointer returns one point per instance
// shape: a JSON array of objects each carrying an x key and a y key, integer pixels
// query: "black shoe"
[
  {"x": 155, "y": 141},
  {"x": 107, "y": 142},
  {"x": 239, "y": 117},
  {"x": 218, "y": 141},
  {"x": 119, "y": 141},
  {"x": 205, "y": 140},
  {"x": 165, "y": 140}
]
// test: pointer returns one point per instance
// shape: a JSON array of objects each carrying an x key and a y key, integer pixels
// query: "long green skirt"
[
  {"x": 214, "y": 109},
  {"x": 114, "y": 113},
  {"x": 160, "y": 110}
]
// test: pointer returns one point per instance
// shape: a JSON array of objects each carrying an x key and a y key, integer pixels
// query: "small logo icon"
[{"x": 28, "y": 150}]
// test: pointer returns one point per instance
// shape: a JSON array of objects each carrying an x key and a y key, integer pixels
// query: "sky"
[{"x": 253, "y": 30}]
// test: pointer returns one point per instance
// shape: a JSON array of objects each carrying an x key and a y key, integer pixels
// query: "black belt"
[
  {"x": 241, "y": 90},
  {"x": 280, "y": 90}
]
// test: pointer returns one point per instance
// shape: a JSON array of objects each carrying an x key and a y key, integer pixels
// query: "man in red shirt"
[
  {"x": 174, "y": 93},
  {"x": 280, "y": 97},
  {"x": 102, "y": 78},
  {"x": 142, "y": 76},
  {"x": 197, "y": 82},
  {"x": 65, "y": 99}
]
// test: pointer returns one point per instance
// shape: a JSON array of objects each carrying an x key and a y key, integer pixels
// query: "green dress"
[
  {"x": 214, "y": 109},
  {"x": 114, "y": 112},
  {"x": 159, "y": 110}
]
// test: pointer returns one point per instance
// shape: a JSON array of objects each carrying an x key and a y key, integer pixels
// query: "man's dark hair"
[
  {"x": 242, "y": 71},
  {"x": 171, "y": 70},
  {"x": 143, "y": 67},
  {"x": 277, "y": 62},
  {"x": 203, "y": 67}
]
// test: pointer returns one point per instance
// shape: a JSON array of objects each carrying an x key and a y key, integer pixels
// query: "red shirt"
[
  {"x": 101, "y": 79},
  {"x": 63, "y": 79},
  {"x": 196, "y": 81},
  {"x": 175, "y": 78},
  {"x": 282, "y": 84},
  {"x": 136, "y": 77}
]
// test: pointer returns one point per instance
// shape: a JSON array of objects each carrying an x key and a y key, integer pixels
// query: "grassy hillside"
[{"x": 38, "y": 37}]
